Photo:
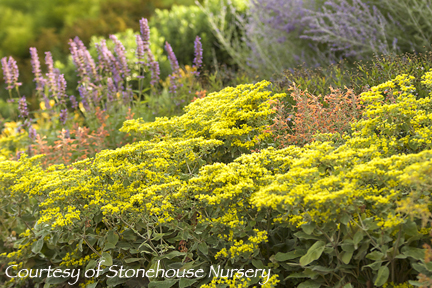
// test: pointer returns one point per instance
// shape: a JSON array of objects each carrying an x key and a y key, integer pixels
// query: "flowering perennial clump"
[{"x": 191, "y": 190}]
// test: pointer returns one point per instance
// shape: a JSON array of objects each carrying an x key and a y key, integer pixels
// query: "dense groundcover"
[{"x": 190, "y": 194}]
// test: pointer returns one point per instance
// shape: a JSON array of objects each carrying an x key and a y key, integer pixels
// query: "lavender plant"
[
  {"x": 352, "y": 28},
  {"x": 113, "y": 83}
]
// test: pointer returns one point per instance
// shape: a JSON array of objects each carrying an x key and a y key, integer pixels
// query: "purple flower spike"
[
  {"x": 22, "y": 107},
  {"x": 73, "y": 101},
  {"x": 198, "y": 60},
  {"x": 61, "y": 88},
  {"x": 140, "y": 51},
  {"x": 145, "y": 31},
  {"x": 78, "y": 59},
  {"x": 51, "y": 75},
  {"x": 32, "y": 133},
  {"x": 112, "y": 91},
  {"x": 36, "y": 69},
  {"x": 63, "y": 116},
  {"x": 10, "y": 72},
  {"x": 120, "y": 52},
  {"x": 172, "y": 58},
  {"x": 154, "y": 67}
]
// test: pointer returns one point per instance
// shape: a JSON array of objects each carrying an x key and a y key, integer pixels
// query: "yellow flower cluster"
[{"x": 235, "y": 115}]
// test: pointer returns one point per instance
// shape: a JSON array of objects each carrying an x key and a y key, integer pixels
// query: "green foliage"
[
  {"x": 189, "y": 22},
  {"x": 361, "y": 75}
]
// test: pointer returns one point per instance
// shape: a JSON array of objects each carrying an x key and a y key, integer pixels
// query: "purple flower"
[
  {"x": 172, "y": 58},
  {"x": 78, "y": 59},
  {"x": 47, "y": 102},
  {"x": 173, "y": 86},
  {"x": 140, "y": 51},
  {"x": 73, "y": 101},
  {"x": 32, "y": 133},
  {"x": 85, "y": 105},
  {"x": 145, "y": 31},
  {"x": 104, "y": 56},
  {"x": 198, "y": 60},
  {"x": 61, "y": 87},
  {"x": 36, "y": 69},
  {"x": 97, "y": 97},
  {"x": 112, "y": 91},
  {"x": 63, "y": 116},
  {"x": 51, "y": 75},
  {"x": 10, "y": 72},
  {"x": 22, "y": 107},
  {"x": 154, "y": 68},
  {"x": 120, "y": 52},
  {"x": 127, "y": 96}
]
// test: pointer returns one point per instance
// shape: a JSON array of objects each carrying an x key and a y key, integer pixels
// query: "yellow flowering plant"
[{"x": 192, "y": 195}]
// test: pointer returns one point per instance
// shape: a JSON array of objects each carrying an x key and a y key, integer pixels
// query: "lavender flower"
[
  {"x": 198, "y": 60},
  {"x": 120, "y": 52},
  {"x": 36, "y": 69},
  {"x": 127, "y": 96},
  {"x": 63, "y": 116},
  {"x": 97, "y": 97},
  {"x": 172, "y": 58},
  {"x": 140, "y": 51},
  {"x": 61, "y": 88},
  {"x": 22, "y": 107},
  {"x": 46, "y": 101},
  {"x": 51, "y": 75},
  {"x": 78, "y": 59},
  {"x": 173, "y": 86},
  {"x": 32, "y": 133},
  {"x": 145, "y": 32},
  {"x": 74, "y": 102},
  {"x": 104, "y": 56},
  {"x": 85, "y": 105},
  {"x": 10, "y": 72},
  {"x": 154, "y": 68},
  {"x": 112, "y": 91}
]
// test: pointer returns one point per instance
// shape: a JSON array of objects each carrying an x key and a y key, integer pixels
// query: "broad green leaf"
[
  {"x": 128, "y": 234},
  {"x": 184, "y": 282},
  {"x": 416, "y": 253},
  {"x": 375, "y": 255},
  {"x": 308, "y": 228},
  {"x": 346, "y": 257},
  {"x": 109, "y": 246},
  {"x": 162, "y": 284},
  {"x": 309, "y": 284},
  {"x": 258, "y": 264},
  {"x": 289, "y": 255},
  {"x": 348, "y": 286},
  {"x": 382, "y": 276},
  {"x": 112, "y": 237},
  {"x": 91, "y": 264},
  {"x": 203, "y": 248},
  {"x": 37, "y": 246},
  {"x": 358, "y": 236},
  {"x": 313, "y": 253},
  {"x": 107, "y": 259}
]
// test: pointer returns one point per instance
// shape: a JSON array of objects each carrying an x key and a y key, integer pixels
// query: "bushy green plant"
[
  {"x": 180, "y": 25},
  {"x": 361, "y": 75}
]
